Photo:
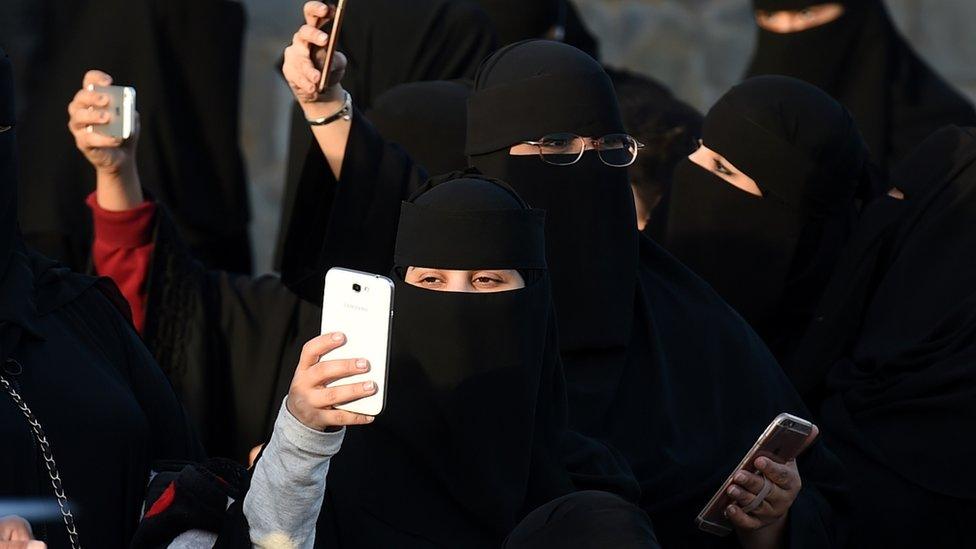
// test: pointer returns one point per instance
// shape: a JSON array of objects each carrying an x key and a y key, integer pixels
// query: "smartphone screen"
[{"x": 333, "y": 40}]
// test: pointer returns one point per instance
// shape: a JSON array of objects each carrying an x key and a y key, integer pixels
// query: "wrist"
[
  {"x": 118, "y": 189},
  {"x": 330, "y": 101},
  {"x": 771, "y": 536}
]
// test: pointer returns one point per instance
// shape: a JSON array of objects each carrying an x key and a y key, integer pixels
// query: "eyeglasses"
[{"x": 617, "y": 150}]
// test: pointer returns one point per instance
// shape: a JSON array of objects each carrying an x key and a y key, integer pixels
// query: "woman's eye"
[
  {"x": 486, "y": 281},
  {"x": 430, "y": 280},
  {"x": 807, "y": 13},
  {"x": 720, "y": 168}
]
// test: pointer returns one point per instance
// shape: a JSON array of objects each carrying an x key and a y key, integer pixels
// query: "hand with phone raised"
[
  {"x": 311, "y": 401},
  {"x": 113, "y": 158},
  {"x": 304, "y": 59}
]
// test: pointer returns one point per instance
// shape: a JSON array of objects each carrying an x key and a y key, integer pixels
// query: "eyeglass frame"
[{"x": 589, "y": 144}]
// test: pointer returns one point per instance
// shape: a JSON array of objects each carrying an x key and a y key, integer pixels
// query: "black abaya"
[
  {"x": 67, "y": 350},
  {"x": 888, "y": 365},
  {"x": 184, "y": 59},
  {"x": 656, "y": 364},
  {"x": 863, "y": 61},
  {"x": 770, "y": 256},
  {"x": 392, "y": 42}
]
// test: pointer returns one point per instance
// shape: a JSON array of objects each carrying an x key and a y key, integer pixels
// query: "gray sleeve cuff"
[{"x": 302, "y": 437}]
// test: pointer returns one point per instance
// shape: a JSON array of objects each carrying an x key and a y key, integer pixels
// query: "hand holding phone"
[
  {"x": 306, "y": 57},
  {"x": 760, "y": 491},
  {"x": 105, "y": 124},
  {"x": 360, "y": 305},
  {"x": 314, "y": 405}
]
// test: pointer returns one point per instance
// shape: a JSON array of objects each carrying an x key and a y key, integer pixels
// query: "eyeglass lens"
[{"x": 564, "y": 149}]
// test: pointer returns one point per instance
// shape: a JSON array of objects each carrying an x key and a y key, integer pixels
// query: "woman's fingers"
[
  {"x": 82, "y": 118},
  {"x": 312, "y": 35},
  {"x": 316, "y": 13},
  {"x": 326, "y": 397},
  {"x": 342, "y": 417},
  {"x": 786, "y": 476},
  {"x": 87, "y": 141},
  {"x": 327, "y": 371},
  {"x": 316, "y": 348},
  {"x": 748, "y": 481},
  {"x": 741, "y": 520},
  {"x": 96, "y": 78}
]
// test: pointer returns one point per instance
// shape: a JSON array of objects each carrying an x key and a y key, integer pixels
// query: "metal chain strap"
[{"x": 52, "y": 467}]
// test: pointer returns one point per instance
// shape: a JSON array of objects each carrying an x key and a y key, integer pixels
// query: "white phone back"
[{"x": 365, "y": 316}]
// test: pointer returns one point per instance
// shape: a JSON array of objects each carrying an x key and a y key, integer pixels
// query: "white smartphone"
[
  {"x": 121, "y": 108},
  {"x": 785, "y": 438},
  {"x": 360, "y": 305}
]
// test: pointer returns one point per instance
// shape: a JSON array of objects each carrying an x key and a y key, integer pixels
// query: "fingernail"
[
  {"x": 740, "y": 477},
  {"x": 369, "y": 386},
  {"x": 323, "y": 37},
  {"x": 90, "y": 87},
  {"x": 338, "y": 336},
  {"x": 730, "y": 510},
  {"x": 103, "y": 116},
  {"x": 362, "y": 364},
  {"x": 734, "y": 492},
  {"x": 762, "y": 463},
  {"x": 370, "y": 419}
]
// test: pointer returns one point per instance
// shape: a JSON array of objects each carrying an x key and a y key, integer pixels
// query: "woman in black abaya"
[
  {"x": 889, "y": 363},
  {"x": 449, "y": 462},
  {"x": 862, "y": 60},
  {"x": 70, "y": 357},
  {"x": 654, "y": 359},
  {"x": 762, "y": 210}
]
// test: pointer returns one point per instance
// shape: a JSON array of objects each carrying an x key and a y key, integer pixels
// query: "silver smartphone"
[
  {"x": 784, "y": 439},
  {"x": 121, "y": 108},
  {"x": 360, "y": 305}
]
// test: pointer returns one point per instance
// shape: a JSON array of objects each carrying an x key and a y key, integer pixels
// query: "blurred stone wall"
[{"x": 698, "y": 47}]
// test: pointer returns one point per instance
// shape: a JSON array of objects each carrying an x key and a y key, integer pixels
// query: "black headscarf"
[
  {"x": 898, "y": 330},
  {"x": 428, "y": 119},
  {"x": 451, "y": 461},
  {"x": 392, "y": 42},
  {"x": 771, "y": 256},
  {"x": 591, "y": 235},
  {"x": 863, "y": 62}
]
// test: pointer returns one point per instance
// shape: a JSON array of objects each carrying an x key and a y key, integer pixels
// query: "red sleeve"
[{"x": 123, "y": 249}]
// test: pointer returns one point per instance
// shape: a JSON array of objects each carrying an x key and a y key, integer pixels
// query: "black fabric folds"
[
  {"x": 184, "y": 59},
  {"x": 8, "y": 164},
  {"x": 474, "y": 433},
  {"x": 771, "y": 256},
  {"x": 863, "y": 62},
  {"x": 517, "y": 20},
  {"x": 535, "y": 87},
  {"x": 889, "y": 364},
  {"x": 428, "y": 119}
]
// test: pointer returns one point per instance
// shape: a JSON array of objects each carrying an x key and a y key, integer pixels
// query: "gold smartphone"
[
  {"x": 330, "y": 48},
  {"x": 784, "y": 439}
]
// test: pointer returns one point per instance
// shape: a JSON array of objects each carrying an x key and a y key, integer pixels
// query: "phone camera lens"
[{"x": 356, "y": 287}]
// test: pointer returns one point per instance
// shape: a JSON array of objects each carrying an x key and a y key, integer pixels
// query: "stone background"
[{"x": 698, "y": 47}]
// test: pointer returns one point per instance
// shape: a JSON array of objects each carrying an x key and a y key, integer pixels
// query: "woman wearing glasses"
[{"x": 656, "y": 364}]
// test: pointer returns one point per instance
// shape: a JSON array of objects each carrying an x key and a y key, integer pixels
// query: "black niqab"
[
  {"x": 428, "y": 119},
  {"x": 863, "y": 62},
  {"x": 771, "y": 256},
  {"x": 889, "y": 365},
  {"x": 591, "y": 239},
  {"x": 449, "y": 462}
]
